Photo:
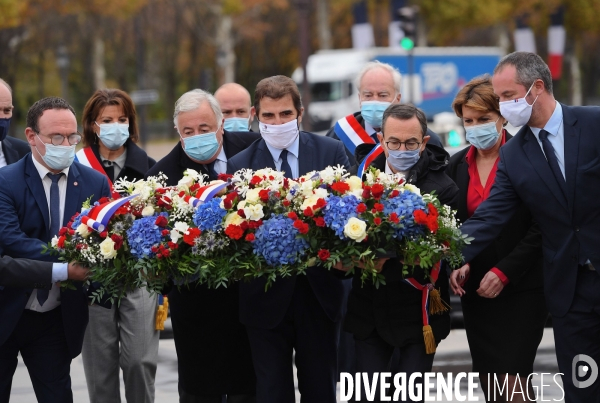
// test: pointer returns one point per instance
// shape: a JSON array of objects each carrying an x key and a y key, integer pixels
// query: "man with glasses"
[
  {"x": 11, "y": 149},
  {"x": 38, "y": 195},
  {"x": 391, "y": 316}
]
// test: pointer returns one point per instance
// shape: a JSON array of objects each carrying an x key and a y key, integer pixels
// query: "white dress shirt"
[
  {"x": 3, "y": 162},
  {"x": 292, "y": 156},
  {"x": 221, "y": 162}
]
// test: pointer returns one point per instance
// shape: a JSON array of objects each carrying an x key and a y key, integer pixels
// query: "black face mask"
[{"x": 4, "y": 126}]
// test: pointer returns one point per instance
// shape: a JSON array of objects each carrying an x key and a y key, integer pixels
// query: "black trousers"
[
  {"x": 308, "y": 331},
  {"x": 374, "y": 354},
  {"x": 40, "y": 338},
  {"x": 577, "y": 334}
]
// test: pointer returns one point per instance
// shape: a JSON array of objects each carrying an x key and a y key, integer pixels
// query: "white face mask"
[
  {"x": 517, "y": 111},
  {"x": 280, "y": 136}
]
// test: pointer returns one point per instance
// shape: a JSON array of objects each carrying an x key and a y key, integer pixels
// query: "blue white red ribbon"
[
  {"x": 205, "y": 193},
  {"x": 351, "y": 133},
  {"x": 425, "y": 289},
  {"x": 99, "y": 216},
  {"x": 375, "y": 152}
]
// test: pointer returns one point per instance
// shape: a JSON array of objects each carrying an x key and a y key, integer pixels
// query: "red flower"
[
  {"x": 394, "y": 218},
  {"x": 161, "y": 191},
  {"x": 250, "y": 237},
  {"x": 241, "y": 213},
  {"x": 271, "y": 177},
  {"x": 224, "y": 177},
  {"x": 166, "y": 253},
  {"x": 154, "y": 249},
  {"x": 432, "y": 210},
  {"x": 432, "y": 224},
  {"x": 118, "y": 240},
  {"x": 321, "y": 203},
  {"x": 63, "y": 231},
  {"x": 319, "y": 221},
  {"x": 103, "y": 200},
  {"x": 255, "y": 180},
  {"x": 308, "y": 212},
  {"x": 161, "y": 221},
  {"x": 361, "y": 208},
  {"x": 394, "y": 193},
  {"x": 244, "y": 225},
  {"x": 71, "y": 232},
  {"x": 377, "y": 190},
  {"x": 292, "y": 215},
  {"x": 366, "y": 193},
  {"x": 124, "y": 209},
  {"x": 194, "y": 187},
  {"x": 377, "y": 221},
  {"x": 172, "y": 245},
  {"x": 234, "y": 231},
  {"x": 80, "y": 246},
  {"x": 420, "y": 217},
  {"x": 103, "y": 234},
  {"x": 264, "y": 195},
  {"x": 340, "y": 187},
  {"x": 165, "y": 232},
  {"x": 192, "y": 234},
  {"x": 286, "y": 203},
  {"x": 61, "y": 242},
  {"x": 227, "y": 204},
  {"x": 254, "y": 224},
  {"x": 378, "y": 207},
  {"x": 323, "y": 254},
  {"x": 301, "y": 226}
]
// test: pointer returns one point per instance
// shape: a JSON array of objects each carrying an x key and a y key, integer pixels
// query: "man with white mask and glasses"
[
  {"x": 213, "y": 353},
  {"x": 301, "y": 313},
  {"x": 378, "y": 87},
  {"x": 552, "y": 167},
  {"x": 236, "y": 106}
]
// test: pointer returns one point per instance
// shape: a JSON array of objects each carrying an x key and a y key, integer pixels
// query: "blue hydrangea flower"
[
  {"x": 209, "y": 216},
  {"x": 404, "y": 205},
  {"x": 338, "y": 211},
  {"x": 143, "y": 235},
  {"x": 77, "y": 220},
  {"x": 277, "y": 241}
]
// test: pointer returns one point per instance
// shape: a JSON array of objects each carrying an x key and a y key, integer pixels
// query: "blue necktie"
[
  {"x": 285, "y": 166},
  {"x": 42, "y": 294},
  {"x": 553, "y": 162}
]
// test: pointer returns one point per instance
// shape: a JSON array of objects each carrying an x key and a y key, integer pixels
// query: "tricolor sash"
[
  {"x": 375, "y": 152},
  {"x": 86, "y": 157},
  {"x": 351, "y": 133},
  {"x": 205, "y": 193},
  {"x": 99, "y": 216}
]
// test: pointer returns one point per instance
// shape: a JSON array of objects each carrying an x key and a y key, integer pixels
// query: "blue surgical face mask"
[
  {"x": 236, "y": 124},
  {"x": 57, "y": 157},
  {"x": 113, "y": 135},
  {"x": 403, "y": 160},
  {"x": 372, "y": 112},
  {"x": 201, "y": 147},
  {"x": 4, "y": 126},
  {"x": 483, "y": 137}
]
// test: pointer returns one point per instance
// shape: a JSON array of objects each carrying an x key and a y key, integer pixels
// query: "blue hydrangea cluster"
[
  {"x": 277, "y": 241},
  {"x": 77, "y": 220},
  {"x": 209, "y": 215},
  {"x": 404, "y": 205},
  {"x": 338, "y": 211},
  {"x": 143, "y": 235}
]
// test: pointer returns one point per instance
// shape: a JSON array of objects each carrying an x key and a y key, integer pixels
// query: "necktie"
[
  {"x": 109, "y": 168},
  {"x": 285, "y": 166},
  {"x": 42, "y": 294},
  {"x": 210, "y": 170},
  {"x": 552, "y": 161}
]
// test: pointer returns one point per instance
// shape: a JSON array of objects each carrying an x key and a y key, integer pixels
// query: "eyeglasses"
[
  {"x": 58, "y": 139},
  {"x": 411, "y": 145}
]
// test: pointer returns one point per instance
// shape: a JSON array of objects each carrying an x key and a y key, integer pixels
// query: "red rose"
[
  {"x": 308, "y": 212},
  {"x": 224, "y": 177},
  {"x": 301, "y": 226},
  {"x": 319, "y": 221},
  {"x": 254, "y": 224},
  {"x": 241, "y": 213},
  {"x": 323, "y": 254},
  {"x": 361, "y": 208},
  {"x": 366, "y": 193},
  {"x": 192, "y": 234},
  {"x": 394, "y": 193},
  {"x": 340, "y": 187},
  {"x": 244, "y": 225},
  {"x": 227, "y": 204},
  {"x": 103, "y": 234},
  {"x": 154, "y": 249},
  {"x": 250, "y": 237},
  {"x": 292, "y": 215},
  {"x": 118, "y": 240},
  {"x": 394, "y": 218},
  {"x": 166, "y": 253},
  {"x": 161, "y": 221},
  {"x": 321, "y": 203},
  {"x": 71, "y": 232},
  {"x": 377, "y": 221},
  {"x": 264, "y": 195},
  {"x": 234, "y": 231},
  {"x": 63, "y": 231},
  {"x": 377, "y": 190},
  {"x": 286, "y": 203},
  {"x": 378, "y": 207},
  {"x": 255, "y": 180}
]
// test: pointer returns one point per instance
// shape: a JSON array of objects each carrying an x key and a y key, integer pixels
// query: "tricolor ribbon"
[
  {"x": 205, "y": 193},
  {"x": 86, "y": 157},
  {"x": 375, "y": 152},
  {"x": 351, "y": 133},
  {"x": 99, "y": 216}
]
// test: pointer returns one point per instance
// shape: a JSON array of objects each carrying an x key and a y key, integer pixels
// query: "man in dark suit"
[
  {"x": 35, "y": 274},
  {"x": 213, "y": 352},
  {"x": 11, "y": 149},
  {"x": 300, "y": 313},
  {"x": 552, "y": 167},
  {"x": 378, "y": 87},
  {"x": 39, "y": 194}
]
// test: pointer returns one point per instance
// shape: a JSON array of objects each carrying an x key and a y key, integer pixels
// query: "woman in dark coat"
[{"x": 502, "y": 301}]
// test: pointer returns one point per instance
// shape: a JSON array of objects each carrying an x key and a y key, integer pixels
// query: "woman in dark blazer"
[
  {"x": 125, "y": 335},
  {"x": 502, "y": 300}
]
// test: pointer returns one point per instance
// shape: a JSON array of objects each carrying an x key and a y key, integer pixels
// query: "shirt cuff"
[
  {"x": 500, "y": 275},
  {"x": 60, "y": 272}
]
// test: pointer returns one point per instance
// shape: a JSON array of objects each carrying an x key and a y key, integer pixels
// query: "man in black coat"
[
  {"x": 11, "y": 149},
  {"x": 37, "y": 274},
  {"x": 378, "y": 87},
  {"x": 391, "y": 316},
  {"x": 300, "y": 313},
  {"x": 212, "y": 346}
]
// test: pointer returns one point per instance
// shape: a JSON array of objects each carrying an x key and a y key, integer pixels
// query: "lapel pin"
[{"x": 75, "y": 183}]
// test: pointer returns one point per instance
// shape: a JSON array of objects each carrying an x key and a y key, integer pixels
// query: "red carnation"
[
  {"x": 264, "y": 195},
  {"x": 308, "y": 212},
  {"x": 234, "y": 231},
  {"x": 255, "y": 224},
  {"x": 377, "y": 221},
  {"x": 377, "y": 190},
  {"x": 378, "y": 207},
  {"x": 321, "y": 203},
  {"x": 250, "y": 237},
  {"x": 323, "y": 254},
  {"x": 366, "y": 193},
  {"x": 161, "y": 221},
  {"x": 172, "y": 245},
  {"x": 192, "y": 234},
  {"x": 432, "y": 223},
  {"x": 340, "y": 187},
  {"x": 118, "y": 240},
  {"x": 63, "y": 231},
  {"x": 255, "y": 180},
  {"x": 420, "y": 217},
  {"x": 432, "y": 210},
  {"x": 319, "y": 221},
  {"x": 361, "y": 208},
  {"x": 244, "y": 225},
  {"x": 103, "y": 234},
  {"x": 394, "y": 218},
  {"x": 292, "y": 215},
  {"x": 394, "y": 193}
]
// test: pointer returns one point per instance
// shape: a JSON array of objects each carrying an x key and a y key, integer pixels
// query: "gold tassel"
[
  {"x": 429, "y": 339},
  {"x": 161, "y": 315},
  {"x": 166, "y": 305},
  {"x": 436, "y": 304}
]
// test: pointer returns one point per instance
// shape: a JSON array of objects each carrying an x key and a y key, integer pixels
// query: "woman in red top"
[{"x": 502, "y": 301}]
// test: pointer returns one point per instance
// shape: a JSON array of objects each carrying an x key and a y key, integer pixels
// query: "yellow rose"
[
  {"x": 355, "y": 183},
  {"x": 355, "y": 229},
  {"x": 254, "y": 212},
  {"x": 310, "y": 202},
  {"x": 83, "y": 230},
  {"x": 252, "y": 195},
  {"x": 107, "y": 248}
]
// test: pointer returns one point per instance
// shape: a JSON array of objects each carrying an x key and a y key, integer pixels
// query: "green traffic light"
[
  {"x": 406, "y": 43},
  {"x": 454, "y": 139}
]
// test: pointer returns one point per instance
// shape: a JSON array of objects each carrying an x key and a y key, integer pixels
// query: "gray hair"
[
  {"x": 529, "y": 66},
  {"x": 6, "y": 85},
  {"x": 405, "y": 112},
  {"x": 396, "y": 76},
  {"x": 192, "y": 100}
]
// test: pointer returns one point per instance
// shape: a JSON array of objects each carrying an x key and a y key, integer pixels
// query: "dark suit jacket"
[
  {"x": 569, "y": 227},
  {"x": 14, "y": 149},
  {"x": 25, "y": 273},
  {"x": 24, "y": 230},
  {"x": 517, "y": 251},
  {"x": 266, "y": 309},
  {"x": 137, "y": 162}
]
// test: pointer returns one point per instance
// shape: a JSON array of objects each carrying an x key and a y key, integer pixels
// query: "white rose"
[
  {"x": 254, "y": 212},
  {"x": 412, "y": 188},
  {"x": 54, "y": 241},
  {"x": 355, "y": 183},
  {"x": 233, "y": 219},
  {"x": 252, "y": 195},
  {"x": 355, "y": 229},
  {"x": 321, "y": 193},
  {"x": 309, "y": 202},
  {"x": 185, "y": 182},
  {"x": 241, "y": 204},
  {"x": 83, "y": 230},
  {"x": 148, "y": 211},
  {"x": 307, "y": 188},
  {"x": 107, "y": 248}
]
